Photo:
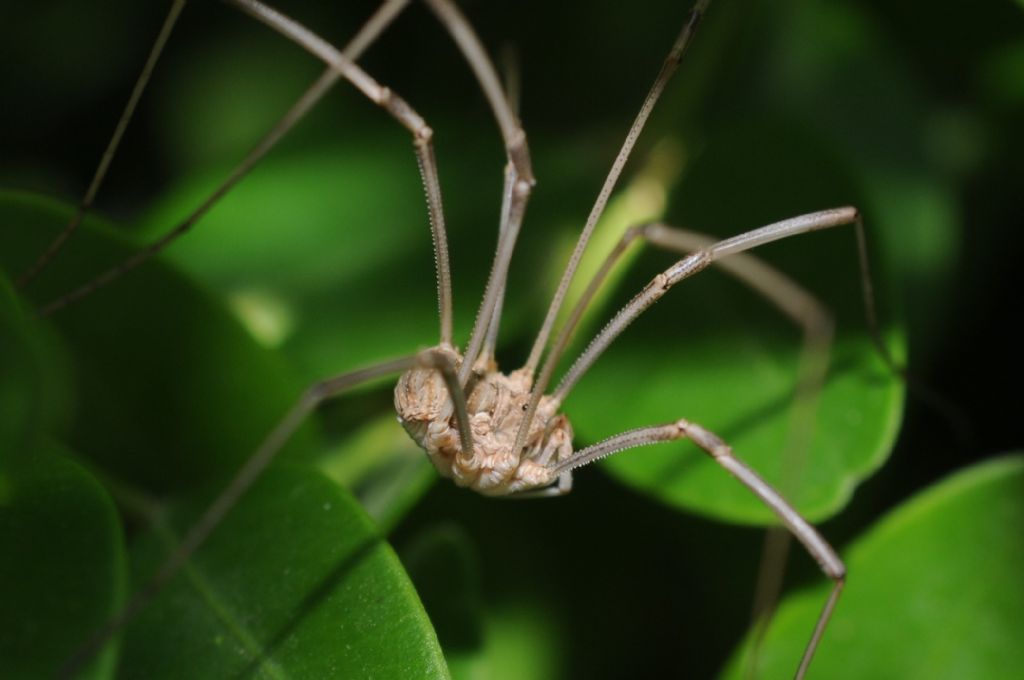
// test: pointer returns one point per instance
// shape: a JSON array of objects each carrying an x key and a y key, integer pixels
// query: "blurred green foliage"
[{"x": 319, "y": 262}]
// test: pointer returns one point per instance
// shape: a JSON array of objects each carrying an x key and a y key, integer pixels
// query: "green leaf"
[
  {"x": 716, "y": 353},
  {"x": 519, "y": 640},
  {"x": 170, "y": 389},
  {"x": 33, "y": 384},
  {"x": 173, "y": 392},
  {"x": 295, "y": 583},
  {"x": 443, "y": 563},
  {"x": 933, "y": 590},
  {"x": 382, "y": 467},
  {"x": 62, "y": 568},
  {"x": 516, "y": 637}
]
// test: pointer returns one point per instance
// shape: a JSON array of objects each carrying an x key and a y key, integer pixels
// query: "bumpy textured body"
[{"x": 496, "y": 403}]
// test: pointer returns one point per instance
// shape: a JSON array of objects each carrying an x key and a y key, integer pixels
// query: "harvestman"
[{"x": 498, "y": 434}]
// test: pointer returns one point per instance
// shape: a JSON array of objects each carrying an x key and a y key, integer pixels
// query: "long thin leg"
[
  {"x": 672, "y": 61},
  {"x": 802, "y": 530},
  {"x": 510, "y": 65},
  {"x": 108, "y": 153},
  {"x": 401, "y": 111},
  {"x": 367, "y": 34},
  {"x": 669, "y": 67},
  {"x": 792, "y": 300},
  {"x": 690, "y": 265},
  {"x": 758, "y": 277},
  {"x": 808, "y": 313},
  {"x": 495, "y": 288},
  {"x": 518, "y": 173},
  {"x": 201, "y": 530},
  {"x": 485, "y": 361},
  {"x": 469, "y": 44}
]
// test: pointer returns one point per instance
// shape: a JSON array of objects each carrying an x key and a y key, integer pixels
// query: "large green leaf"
[
  {"x": 168, "y": 380},
  {"x": 933, "y": 590},
  {"x": 170, "y": 388},
  {"x": 62, "y": 568},
  {"x": 295, "y": 583}
]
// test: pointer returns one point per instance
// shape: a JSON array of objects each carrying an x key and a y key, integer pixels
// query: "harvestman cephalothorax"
[{"x": 496, "y": 433}]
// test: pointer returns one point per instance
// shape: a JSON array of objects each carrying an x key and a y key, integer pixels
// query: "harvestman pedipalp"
[{"x": 501, "y": 434}]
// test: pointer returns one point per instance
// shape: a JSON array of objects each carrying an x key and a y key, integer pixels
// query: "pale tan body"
[{"x": 496, "y": 404}]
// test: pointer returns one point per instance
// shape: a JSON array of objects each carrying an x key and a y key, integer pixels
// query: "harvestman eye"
[{"x": 496, "y": 433}]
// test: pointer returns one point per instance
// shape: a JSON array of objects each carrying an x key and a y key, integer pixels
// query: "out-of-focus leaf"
[
  {"x": 493, "y": 640},
  {"x": 1003, "y": 75},
  {"x": 295, "y": 582},
  {"x": 227, "y": 92},
  {"x": 519, "y": 641},
  {"x": 383, "y": 468},
  {"x": 933, "y": 590},
  {"x": 33, "y": 387},
  {"x": 443, "y": 564},
  {"x": 170, "y": 389},
  {"x": 324, "y": 252},
  {"x": 834, "y": 71},
  {"x": 62, "y": 568}
]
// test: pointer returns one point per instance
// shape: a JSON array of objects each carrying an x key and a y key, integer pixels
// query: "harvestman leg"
[
  {"x": 485, "y": 361},
  {"x": 108, "y": 154},
  {"x": 669, "y": 67},
  {"x": 794, "y": 302},
  {"x": 804, "y": 309},
  {"x": 384, "y": 15},
  {"x": 519, "y": 175},
  {"x": 519, "y": 178},
  {"x": 438, "y": 358},
  {"x": 700, "y": 260},
  {"x": 401, "y": 111},
  {"x": 672, "y": 61},
  {"x": 245, "y": 477},
  {"x": 818, "y": 548},
  {"x": 660, "y": 285}
]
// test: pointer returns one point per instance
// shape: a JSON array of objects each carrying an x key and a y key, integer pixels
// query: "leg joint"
[{"x": 706, "y": 440}]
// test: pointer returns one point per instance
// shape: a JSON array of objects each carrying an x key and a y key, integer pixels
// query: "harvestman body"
[
  {"x": 495, "y": 406},
  {"x": 498, "y": 434}
]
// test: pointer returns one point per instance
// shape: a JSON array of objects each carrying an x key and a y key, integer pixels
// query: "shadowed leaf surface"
[
  {"x": 295, "y": 583},
  {"x": 62, "y": 568},
  {"x": 169, "y": 388},
  {"x": 33, "y": 389}
]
